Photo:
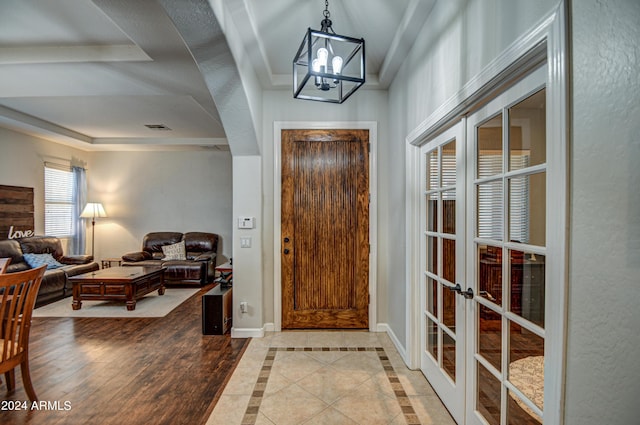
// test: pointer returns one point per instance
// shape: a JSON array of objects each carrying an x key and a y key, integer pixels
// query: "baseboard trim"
[
  {"x": 247, "y": 332},
  {"x": 384, "y": 327},
  {"x": 269, "y": 327}
]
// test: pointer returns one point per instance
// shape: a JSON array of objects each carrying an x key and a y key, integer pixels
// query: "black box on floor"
[{"x": 217, "y": 307}]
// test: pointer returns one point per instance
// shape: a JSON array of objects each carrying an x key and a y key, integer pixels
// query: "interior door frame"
[
  {"x": 278, "y": 126},
  {"x": 545, "y": 42}
]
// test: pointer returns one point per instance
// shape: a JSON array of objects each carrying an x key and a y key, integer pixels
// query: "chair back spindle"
[{"x": 18, "y": 293}]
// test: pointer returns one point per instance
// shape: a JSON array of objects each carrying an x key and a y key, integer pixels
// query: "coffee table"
[{"x": 117, "y": 284}]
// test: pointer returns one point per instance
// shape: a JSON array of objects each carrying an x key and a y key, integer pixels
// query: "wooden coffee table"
[{"x": 117, "y": 284}]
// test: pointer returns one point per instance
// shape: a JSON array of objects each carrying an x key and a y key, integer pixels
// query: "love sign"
[
  {"x": 16, "y": 212},
  {"x": 14, "y": 234}
]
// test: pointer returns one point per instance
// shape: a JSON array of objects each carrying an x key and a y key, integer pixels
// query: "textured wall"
[{"x": 603, "y": 369}]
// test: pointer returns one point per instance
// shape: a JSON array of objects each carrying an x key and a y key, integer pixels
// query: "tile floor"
[{"x": 332, "y": 378}]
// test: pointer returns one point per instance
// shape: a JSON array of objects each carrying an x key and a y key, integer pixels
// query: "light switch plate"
[{"x": 245, "y": 242}]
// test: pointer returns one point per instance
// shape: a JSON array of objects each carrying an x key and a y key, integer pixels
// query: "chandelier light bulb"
[
  {"x": 315, "y": 65},
  {"x": 336, "y": 63},
  {"x": 323, "y": 54}
]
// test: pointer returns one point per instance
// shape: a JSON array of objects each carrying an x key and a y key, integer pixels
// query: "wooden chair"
[
  {"x": 18, "y": 293},
  {"x": 4, "y": 263}
]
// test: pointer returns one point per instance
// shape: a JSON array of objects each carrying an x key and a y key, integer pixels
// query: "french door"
[
  {"x": 443, "y": 314},
  {"x": 484, "y": 222}
]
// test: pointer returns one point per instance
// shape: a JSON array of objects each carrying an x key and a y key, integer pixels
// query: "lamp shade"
[{"x": 93, "y": 210}]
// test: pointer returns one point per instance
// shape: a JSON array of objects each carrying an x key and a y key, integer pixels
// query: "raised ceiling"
[{"x": 92, "y": 74}]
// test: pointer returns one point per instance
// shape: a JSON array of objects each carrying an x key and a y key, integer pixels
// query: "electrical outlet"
[{"x": 245, "y": 242}]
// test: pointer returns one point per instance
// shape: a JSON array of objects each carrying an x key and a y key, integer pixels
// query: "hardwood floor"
[{"x": 133, "y": 371}]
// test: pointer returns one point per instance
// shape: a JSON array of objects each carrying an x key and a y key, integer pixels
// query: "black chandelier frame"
[{"x": 329, "y": 86}]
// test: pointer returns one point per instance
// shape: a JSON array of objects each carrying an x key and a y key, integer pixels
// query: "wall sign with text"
[{"x": 16, "y": 212}]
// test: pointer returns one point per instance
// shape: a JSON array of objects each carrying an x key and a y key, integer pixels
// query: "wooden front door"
[{"x": 325, "y": 229}]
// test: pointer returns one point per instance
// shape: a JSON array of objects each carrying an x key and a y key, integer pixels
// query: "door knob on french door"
[{"x": 468, "y": 294}]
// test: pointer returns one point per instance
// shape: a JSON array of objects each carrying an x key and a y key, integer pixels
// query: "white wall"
[
  {"x": 603, "y": 370},
  {"x": 145, "y": 192},
  {"x": 22, "y": 160},
  {"x": 279, "y": 105},
  {"x": 247, "y": 262},
  {"x": 458, "y": 40}
]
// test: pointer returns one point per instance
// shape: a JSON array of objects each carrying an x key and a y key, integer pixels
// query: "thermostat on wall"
[{"x": 246, "y": 222}]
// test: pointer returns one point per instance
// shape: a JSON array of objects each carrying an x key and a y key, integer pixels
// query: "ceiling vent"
[{"x": 158, "y": 127}]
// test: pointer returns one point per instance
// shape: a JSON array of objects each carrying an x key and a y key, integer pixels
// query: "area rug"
[{"x": 152, "y": 305}]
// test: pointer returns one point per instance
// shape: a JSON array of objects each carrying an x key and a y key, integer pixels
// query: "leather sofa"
[
  {"x": 199, "y": 264},
  {"x": 55, "y": 285}
]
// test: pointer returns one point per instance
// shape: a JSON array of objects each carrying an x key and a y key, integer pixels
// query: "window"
[{"x": 59, "y": 201}]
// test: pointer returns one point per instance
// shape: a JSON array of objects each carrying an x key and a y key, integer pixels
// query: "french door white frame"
[
  {"x": 547, "y": 42},
  {"x": 450, "y": 391}
]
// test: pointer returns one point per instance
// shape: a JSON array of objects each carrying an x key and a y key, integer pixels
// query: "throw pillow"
[
  {"x": 37, "y": 260},
  {"x": 176, "y": 251}
]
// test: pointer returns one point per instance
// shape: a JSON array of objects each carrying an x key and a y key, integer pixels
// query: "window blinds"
[
  {"x": 59, "y": 201},
  {"x": 490, "y": 196}
]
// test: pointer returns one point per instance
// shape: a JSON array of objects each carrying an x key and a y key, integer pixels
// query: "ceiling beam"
[
  {"x": 69, "y": 54},
  {"x": 415, "y": 15}
]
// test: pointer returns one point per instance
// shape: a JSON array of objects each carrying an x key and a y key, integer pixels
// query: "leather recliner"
[{"x": 198, "y": 267}]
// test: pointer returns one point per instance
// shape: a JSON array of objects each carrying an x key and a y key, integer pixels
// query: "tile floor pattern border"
[{"x": 251, "y": 413}]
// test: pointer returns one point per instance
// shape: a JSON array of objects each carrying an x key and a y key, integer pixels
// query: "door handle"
[
  {"x": 286, "y": 251},
  {"x": 286, "y": 240},
  {"x": 468, "y": 294}
]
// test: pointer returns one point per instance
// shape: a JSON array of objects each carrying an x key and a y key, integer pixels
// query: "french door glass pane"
[
  {"x": 490, "y": 336},
  {"x": 449, "y": 355},
  {"x": 490, "y": 273},
  {"x": 432, "y": 212},
  {"x": 449, "y": 260},
  {"x": 527, "y": 285},
  {"x": 432, "y": 296},
  {"x": 489, "y": 154},
  {"x": 490, "y": 210},
  {"x": 449, "y": 212},
  {"x": 526, "y": 120},
  {"x": 433, "y": 180},
  {"x": 518, "y": 413},
  {"x": 449, "y": 164},
  {"x": 526, "y": 373},
  {"x": 526, "y": 363},
  {"x": 432, "y": 338},
  {"x": 449, "y": 308},
  {"x": 527, "y": 209},
  {"x": 432, "y": 254},
  {"x": 489, "y": 395}
]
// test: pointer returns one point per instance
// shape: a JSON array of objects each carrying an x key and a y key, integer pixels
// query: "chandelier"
[{"x": 328, "y": 67}]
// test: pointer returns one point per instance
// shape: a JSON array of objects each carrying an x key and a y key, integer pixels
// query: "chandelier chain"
[{"x": 326, "y": 9}]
